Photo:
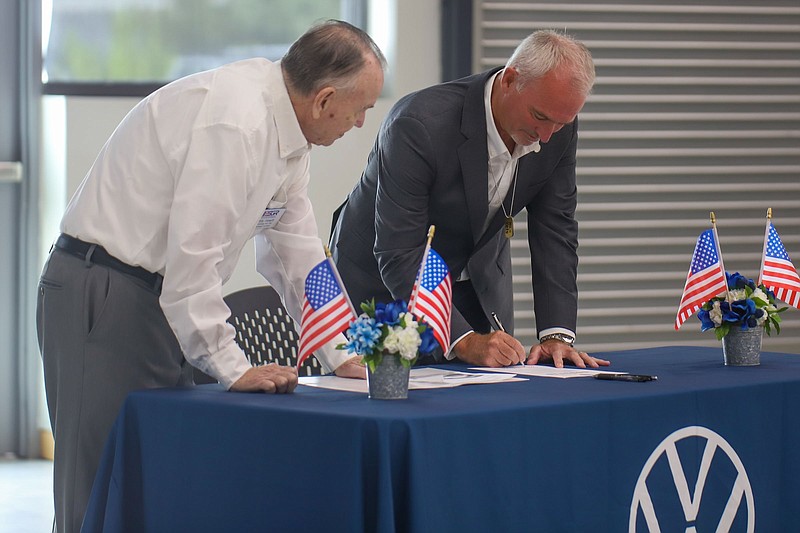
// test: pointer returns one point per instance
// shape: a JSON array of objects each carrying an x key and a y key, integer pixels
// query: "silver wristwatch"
[{"x": 563, "y": 337}]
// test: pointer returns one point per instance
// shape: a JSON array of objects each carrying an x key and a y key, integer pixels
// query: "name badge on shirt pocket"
[{"x": 270, "y": 217}]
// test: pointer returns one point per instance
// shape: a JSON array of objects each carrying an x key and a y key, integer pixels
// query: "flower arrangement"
[
  {"x": 746, "y": 306},
  {"x": 388, "y": 328}
]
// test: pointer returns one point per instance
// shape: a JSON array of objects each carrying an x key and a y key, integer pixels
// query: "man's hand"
[
  {"x": 352, "y": 368},
  {"x": 493, "y": 349},
  {"x": 267, "y": 378},
  {"x": 558, "y": 352}
]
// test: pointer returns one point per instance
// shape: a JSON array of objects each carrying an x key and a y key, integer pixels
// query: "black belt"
[{"x": 93, "y": 253}]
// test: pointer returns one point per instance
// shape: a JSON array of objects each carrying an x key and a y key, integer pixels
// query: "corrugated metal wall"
[{"x": 696, "y": 109}]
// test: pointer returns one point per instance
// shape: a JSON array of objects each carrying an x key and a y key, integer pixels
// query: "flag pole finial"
[
  {"x": 412, "y": 300},
  {"x": 713, "y": 218},
  {"x": 327, "y": 250},
  {"x": 769, "y": 213}
]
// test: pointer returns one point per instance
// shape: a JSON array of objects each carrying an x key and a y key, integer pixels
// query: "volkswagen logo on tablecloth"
[{"x": 714, "y": 496}]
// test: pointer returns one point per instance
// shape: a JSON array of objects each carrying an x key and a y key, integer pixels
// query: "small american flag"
[
  {"x": 706, "y": 278},
  {"x": 432, "y": 297},
  {"x": 777, "y": 271},
  {"x": 326, "y": 310}
]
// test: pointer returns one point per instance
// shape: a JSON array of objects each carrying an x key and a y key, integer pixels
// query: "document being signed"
[{"x": 544, "y": 371}]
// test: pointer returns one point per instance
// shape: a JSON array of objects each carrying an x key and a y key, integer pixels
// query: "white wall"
[{"x": 413, "y": 63}]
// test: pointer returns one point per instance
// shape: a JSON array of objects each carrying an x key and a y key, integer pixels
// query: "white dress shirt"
[
  {"x": 502, "y": 163},
  {"x": 180, "y": 188}
]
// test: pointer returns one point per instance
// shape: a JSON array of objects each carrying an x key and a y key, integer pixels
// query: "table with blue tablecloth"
[{"x": 705, "y": 446}]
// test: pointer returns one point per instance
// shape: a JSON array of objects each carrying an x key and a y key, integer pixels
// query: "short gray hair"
[
  {"x": 331, "y": 53},
  {"x": 544, "y": 50}
]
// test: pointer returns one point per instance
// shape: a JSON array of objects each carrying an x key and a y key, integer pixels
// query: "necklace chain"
[
  {"x": 508, "y": 225},
  {"x": 513, "y": 189},
  {"x": 513, "y": 193}
]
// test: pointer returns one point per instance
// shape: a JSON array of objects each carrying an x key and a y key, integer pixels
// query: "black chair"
[{"x": 264, "y": 331}]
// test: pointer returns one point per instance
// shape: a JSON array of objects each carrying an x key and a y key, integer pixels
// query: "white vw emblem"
[{"x": 690, "y": 501}]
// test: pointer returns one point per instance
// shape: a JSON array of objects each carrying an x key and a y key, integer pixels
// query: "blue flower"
[
  {"x": 728, "y": 315},
  {"x": 737, "y": 281},
  {"x": 389, "y": 314},
  {"x": 363, "y": 335},
  {"x": 429, "y": 343},
  {"x": 743, "y": 309},
  {"x": 705, "y": 320}
]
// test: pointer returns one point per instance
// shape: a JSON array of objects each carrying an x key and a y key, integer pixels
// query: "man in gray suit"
[{"x": 466, "y": 156}]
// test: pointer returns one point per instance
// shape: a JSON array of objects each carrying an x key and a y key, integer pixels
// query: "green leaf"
[
  {"x": 722, "y": 330},
  {"x": 368, "y": 308},
  {"x": 373, "y": 360}
]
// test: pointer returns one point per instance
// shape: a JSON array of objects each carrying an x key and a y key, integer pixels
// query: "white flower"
[
  {"x": 737, "y": 294},
  {"x": 715, "y": 314},
  {"x": 404, "y": 341},
  {"x": 759, "y": 294}
]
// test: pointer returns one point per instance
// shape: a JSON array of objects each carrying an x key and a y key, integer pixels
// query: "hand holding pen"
[
  {"x": 499, "y": 326},
  {"x": 495, "y": 349}
]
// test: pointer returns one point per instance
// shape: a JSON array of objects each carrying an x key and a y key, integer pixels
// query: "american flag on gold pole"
[
  {"x": 327, "y": 310},
  {"x": 706, "y": 278},
  {"x": 778, "y": 273},
  {"x": 432, "y": 296}
]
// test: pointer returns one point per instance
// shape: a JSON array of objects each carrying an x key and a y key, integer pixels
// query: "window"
[{"x": 130, "y": 47}]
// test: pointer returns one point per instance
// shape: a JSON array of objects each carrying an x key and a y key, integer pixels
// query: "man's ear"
[
  {"x": 322, "y": 100},
  {"x": 509, "y": 77}
]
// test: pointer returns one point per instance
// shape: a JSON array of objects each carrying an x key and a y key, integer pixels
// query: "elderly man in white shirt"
[{"x": 131, "y": 295}]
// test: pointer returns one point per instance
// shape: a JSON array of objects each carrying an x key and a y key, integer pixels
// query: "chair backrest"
[{"x": 264, "y": 330}]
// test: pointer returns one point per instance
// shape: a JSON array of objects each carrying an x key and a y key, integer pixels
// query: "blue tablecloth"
[{"x": 705, "y": 444}]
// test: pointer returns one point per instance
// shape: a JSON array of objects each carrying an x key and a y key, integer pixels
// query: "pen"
[
  {"x": 625, "y": 377},
  {"x": 497, "y": 322},
  {"x": 499, "y": 326}
]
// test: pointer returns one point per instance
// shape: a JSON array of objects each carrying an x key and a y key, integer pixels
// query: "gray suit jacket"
[{"x": 429, "y": 166}]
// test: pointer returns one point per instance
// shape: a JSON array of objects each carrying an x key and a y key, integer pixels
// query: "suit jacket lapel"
[
  {"x": 473, "y": 155},
  {"x": 475, "y": 168}
]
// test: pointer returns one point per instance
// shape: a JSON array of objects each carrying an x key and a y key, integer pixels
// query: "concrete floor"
[{"x": 26, "y": 495}]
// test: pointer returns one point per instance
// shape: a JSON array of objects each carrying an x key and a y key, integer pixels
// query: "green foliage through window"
[{"x": 131, "y": 41}]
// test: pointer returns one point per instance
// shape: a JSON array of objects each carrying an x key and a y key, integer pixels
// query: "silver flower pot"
[
  {"x": 390, "y": 379},
  {"x": 742, "y": 347}
]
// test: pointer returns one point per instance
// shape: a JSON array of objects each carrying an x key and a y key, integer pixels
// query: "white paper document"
[
  {"x": 420, "y": 378},
  {"x": 547, "y": 371}
]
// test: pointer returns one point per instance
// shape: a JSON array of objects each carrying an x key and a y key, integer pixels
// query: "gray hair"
[
  {"x": 545, "y": 50},
  {"x": 331, "y": 53}
]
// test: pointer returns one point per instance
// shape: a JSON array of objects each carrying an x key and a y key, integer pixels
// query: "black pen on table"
[
  {"x": 499, "y": 326},
  {"x": 624, "y": 377}
]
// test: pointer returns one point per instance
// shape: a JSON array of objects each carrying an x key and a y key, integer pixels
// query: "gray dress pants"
[{"x": 102, "y": 334}]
